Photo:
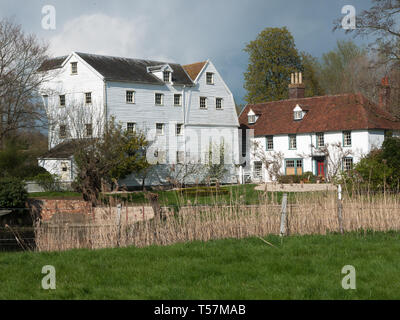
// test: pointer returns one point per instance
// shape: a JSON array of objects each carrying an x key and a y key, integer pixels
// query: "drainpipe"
[{"x": 104, "y": 102}]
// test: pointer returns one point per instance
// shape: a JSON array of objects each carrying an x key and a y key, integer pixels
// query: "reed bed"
[{"x": 307, "y": 214}]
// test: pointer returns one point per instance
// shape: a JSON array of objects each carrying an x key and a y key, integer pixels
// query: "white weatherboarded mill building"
[{"x": 181, "y": 109}]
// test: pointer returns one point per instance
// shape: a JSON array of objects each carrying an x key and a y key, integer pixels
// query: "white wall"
[
  {"x": 75, "y": 112},
  {"x": 362, "y": 142}
]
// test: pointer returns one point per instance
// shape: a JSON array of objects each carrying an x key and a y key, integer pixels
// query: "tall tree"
[
  {"x": 272, "y": 58},
  {"x": 336, "y": 72},
  {"x": 310, "y": 78},
  {"x": 21, "y": 55}
]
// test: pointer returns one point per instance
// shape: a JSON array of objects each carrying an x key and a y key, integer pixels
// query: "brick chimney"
[
  {"x": 384, "y": 94},
  {"x": 296, "y": 86}
]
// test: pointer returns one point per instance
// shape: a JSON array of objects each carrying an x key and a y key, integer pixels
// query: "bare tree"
[
  {"x": 334, "y": 154},
  {"x": 382, "y": 22},
  {"x": 21, "y": 55},
  {"x": 272, "y": 160}
]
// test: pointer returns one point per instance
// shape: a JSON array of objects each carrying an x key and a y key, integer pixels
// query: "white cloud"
[{"x": 103, "y": 34}]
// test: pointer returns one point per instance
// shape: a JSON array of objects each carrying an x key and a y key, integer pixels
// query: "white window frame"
[
  {"x": 131, "y": 127},
  {"x": 221, "y": 103},
  {"x": 298, "y": 115},
  {"x": 169, "y": 76},
  {"x": 345, "y": 163},
  {"x": 320, "y": 137},
  {"x": 162, "y": 129},
  {"x": 162, "y": 99},
  {"x": 205, "y": 103},
  {"x": 212, "y": 78},
  {"x": 88, "y": 94},
  {"x": 62, "y": 104},
  {"x": 180, "y": 125},
  {"x": 88, "y": 125},
  {"x": 133, "y": 96},
  {"x": 74, "y": 68},
  {"x": 65, "y": 135},
  {"x": 258, "y": 172},
  {"x": 180, "y": 99},
  {"x": 180, "y": 159},
  {"x": 269, "y": 143},
  {"x": 292, "y": 138},
  {"x": 346, "y": 139},
  {"x": 251, "y": 118}
]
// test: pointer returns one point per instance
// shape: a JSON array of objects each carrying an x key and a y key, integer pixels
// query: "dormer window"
[
  {"x": 297, "y": 113},
  {"x": 251, "y": 117},
  {"x": 167, "y": 76}
]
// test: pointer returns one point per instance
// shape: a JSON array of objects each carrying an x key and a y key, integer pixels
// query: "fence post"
[
  {"x": 283, "y": 215},
  {"x": 340, "y": 208},
  {"x": 119, "y": 207}
]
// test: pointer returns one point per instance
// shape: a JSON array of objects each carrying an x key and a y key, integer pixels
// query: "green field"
[{"x": 300, "y": 267}]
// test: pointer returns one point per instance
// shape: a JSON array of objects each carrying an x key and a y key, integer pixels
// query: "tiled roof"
[
  {"x": 63, "y": 150},
  {"x": 324, "y": 113},
  {"x": 53, "y": 63},
  {"x": 194, "y": 69},
  {"x": 124, "y": 69}
]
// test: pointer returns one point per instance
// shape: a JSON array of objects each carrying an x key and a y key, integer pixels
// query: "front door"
[{"x": 321, "y": 168}]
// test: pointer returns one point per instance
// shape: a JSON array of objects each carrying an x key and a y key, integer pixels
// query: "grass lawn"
[{"x": 302, "y": 267}]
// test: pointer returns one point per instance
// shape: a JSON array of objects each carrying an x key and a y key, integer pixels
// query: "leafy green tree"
[
  {"x": 272, "y": 58},
  {"x": 381, "y": 168},
  {"x": 337, "y": 71},
  {"x": 310, "y": 68},
  {"x": 12, "y": 193},
  {"x": 115, "y": 155},
  {"x": 18, "y": 161}
]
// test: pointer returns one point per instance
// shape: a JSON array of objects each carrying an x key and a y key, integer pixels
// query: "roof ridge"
[
  {"x": 306, "y": 98},
  {"x": 125, "y": 58}
]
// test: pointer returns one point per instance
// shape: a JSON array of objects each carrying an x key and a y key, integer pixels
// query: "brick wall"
[{"x": 45, "y": 209}]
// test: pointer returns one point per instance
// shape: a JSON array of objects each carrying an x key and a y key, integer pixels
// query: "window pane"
[
  {"x": 89, "y": 130},
  {"x": 218, "y": 103},
  {"x": 158, "y": 98},
  {"x": 270, "y": 143},
  {"x": 166, "y": 76},
  {"x": 320, "y": 140},
  {"x": 130, "y": 127},
  {"x": 62, "y": 100},
  {"x": 203, "y": 102},
  {"x": 347, "y": 138},
  {"x": 210, "y": 77},
  {"x": 257, "y": 169},
  {"x": 177, "y": 99},
  {"x": 88, "y": 97},
  {"x": 292, "y": 142},
  {"x": 129, "y": 96},
  {"x": 74, "y": 67}
]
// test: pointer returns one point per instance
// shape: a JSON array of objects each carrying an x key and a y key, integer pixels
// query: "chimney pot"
[{"x": 296, "y": 87}]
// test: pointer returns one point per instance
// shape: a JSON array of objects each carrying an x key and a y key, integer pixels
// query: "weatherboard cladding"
[
  {"x": 124, "y": 69},
  {"x": 324, "y": 113}
]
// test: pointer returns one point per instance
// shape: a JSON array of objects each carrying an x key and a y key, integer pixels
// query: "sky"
[{"x": 182, "y": 31}]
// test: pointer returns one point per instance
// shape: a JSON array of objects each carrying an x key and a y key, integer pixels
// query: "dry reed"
[{"x": 312, "y": 214}]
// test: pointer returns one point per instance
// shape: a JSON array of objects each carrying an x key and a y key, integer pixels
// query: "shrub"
[
  {"x": 12, "y": 193},
  {"x": 47, "y": 181}
]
